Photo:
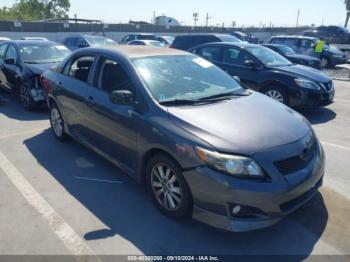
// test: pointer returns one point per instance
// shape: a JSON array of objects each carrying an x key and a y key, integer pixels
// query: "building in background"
[{"x": 166, "y": 21}]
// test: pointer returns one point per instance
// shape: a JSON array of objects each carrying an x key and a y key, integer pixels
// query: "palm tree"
[{"x": 347, "y": 4}]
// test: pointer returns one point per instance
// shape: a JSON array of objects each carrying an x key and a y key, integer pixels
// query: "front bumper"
[
  {"x": 338, "y": 60},
  {"x": 215, "y": 195},
  {"x": 308, "y": 99}
]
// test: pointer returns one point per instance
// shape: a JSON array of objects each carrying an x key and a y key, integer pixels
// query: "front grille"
[{"x": 296, "y": 163}]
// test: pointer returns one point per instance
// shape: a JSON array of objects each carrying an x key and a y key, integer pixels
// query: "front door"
[
  {"x": 112, "y": 127},
  {"x": 11, "y": 71}
]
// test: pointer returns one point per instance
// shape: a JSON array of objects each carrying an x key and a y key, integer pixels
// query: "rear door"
[
  {"x": 72, "y": 89},
  {"x": 112, "y": 127}
]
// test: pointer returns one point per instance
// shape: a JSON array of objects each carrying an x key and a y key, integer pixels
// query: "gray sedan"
[{"x": 204, "y": 146}]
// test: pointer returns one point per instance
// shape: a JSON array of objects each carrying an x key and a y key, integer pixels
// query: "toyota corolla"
[{"x": 203, "y": 145}]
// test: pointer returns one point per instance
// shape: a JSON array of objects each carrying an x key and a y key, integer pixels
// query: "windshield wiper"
[
  {"x": 178, "y": 102},
  {"x": 224, "y": 96}
]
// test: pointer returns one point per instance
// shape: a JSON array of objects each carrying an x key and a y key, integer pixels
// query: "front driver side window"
[
  {"x": 81, "y": 68},
  {"x": 11, "y": 53},
  {"x": 113, "y": 77}
]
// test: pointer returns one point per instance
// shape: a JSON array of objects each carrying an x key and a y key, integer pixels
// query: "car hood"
[
  {"x": 305, "y": 72},
  {"x": 303, "y": 57},
  {"x": 244, "y": 125},
  {"x": 39, "y": 69}
]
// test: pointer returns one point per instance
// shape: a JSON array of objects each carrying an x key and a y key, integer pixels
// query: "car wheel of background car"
[
  {"x": 168, "y": 188},
  {"x": 325, "y": 62},
  {"x": 276, "y": 93},
  {"x": 26, "y": 98},
  {"x": 57, "y": 123}
]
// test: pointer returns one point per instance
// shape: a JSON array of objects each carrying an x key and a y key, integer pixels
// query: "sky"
[{"x": 243, "y": 12}]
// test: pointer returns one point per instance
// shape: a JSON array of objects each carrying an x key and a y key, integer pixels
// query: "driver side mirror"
[
  {"x": 122, "y": 97},
  {"x": 251, "y": 64},
  {"x": 237, "y": 79},
  {"x": 10, "y": 61}
]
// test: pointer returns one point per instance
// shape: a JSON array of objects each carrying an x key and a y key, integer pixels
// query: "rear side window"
[
  {"x": 80, "y": 68},
  {"x": 212, "y": 53},
  {"x": 113, "y": 77},
  {"x": 3, "y": 50}
]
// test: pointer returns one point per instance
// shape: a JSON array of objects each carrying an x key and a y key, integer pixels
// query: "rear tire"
[
  {"x": 57, "y": 124},
  {"x": 168, "y": 188},
  {"x": 276, "y": 93}
]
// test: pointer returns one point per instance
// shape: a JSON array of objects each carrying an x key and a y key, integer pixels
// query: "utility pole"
[
  {"x": 298, "y": 16},
  {"x": 207, "y": 20},
  {"x": 195, "y": 18}
]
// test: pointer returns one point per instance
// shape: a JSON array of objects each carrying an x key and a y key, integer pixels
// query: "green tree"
[
  {"x": 29, "y": 10},
  {"x": 347, "y": 5}
]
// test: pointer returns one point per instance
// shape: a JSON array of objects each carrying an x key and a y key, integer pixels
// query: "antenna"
[{"x": 298, "y": 16}]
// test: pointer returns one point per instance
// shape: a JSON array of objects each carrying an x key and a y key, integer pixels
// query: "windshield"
[
  {"x": 228, "y": 38},
  {"x": 286, "y": 50},
  {"x": 99, "y": 41},
  {"x": 268, "y": 57},
  {"x": 171, "y": 78},
  {"x": 41, "y": 54}
]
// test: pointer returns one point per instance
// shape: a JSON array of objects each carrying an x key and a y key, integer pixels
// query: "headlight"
[
  {"x": 234, "y": 165},
  {"x": 307, "y": 84}
]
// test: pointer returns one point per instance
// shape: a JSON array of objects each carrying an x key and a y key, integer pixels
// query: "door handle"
[{"x": 59, "y": 84}]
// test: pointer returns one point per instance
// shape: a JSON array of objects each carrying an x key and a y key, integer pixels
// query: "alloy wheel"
[
  {"x": 56, "y": 122},
  {"x": 275, "y": 94},
  {"x": 166, "y": 187}
]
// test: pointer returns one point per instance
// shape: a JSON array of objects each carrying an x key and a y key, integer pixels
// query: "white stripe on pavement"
[
  {"x": 63, "y": 231},
  {"x": 99, "y": 180},
  {"x": 335, "y": 145}
]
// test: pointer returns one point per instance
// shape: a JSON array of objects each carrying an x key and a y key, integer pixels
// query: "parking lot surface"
[{"x": 63, "y": 199}]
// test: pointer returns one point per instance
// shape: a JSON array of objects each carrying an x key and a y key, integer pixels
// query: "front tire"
[
  {"x": 57, "y": 124},
  {"x": 277, "y": 94},
  {"x": 26, "y": 98},
  {"x": 168, "y": 188}
]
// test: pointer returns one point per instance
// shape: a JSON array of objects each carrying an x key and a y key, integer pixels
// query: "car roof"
[
  {"x": 189, "y": 35},
  {"x": 145, "y": 41},
  {"x": 237, "y": 44},
  {"x": 295, "y": 36},
  {"x": 133, "y": 51},
  {"x": 31, "y": 42}
]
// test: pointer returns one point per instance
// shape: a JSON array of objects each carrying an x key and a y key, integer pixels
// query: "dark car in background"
[
  {"x": 264, "y": 70},
  {"x": 21, "y": 64},
  {"x": 185, "y": 42},
  {"x": 82, "y": 41},
  {"x": 331, "y": 34},
  {"x": 292, "y": 56},
  {"x": 246, "y": 37},
  {"x": 305, "y": 45},
  {"x": 204, "y": 146},
  {"x": 131, "y": 37}
]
